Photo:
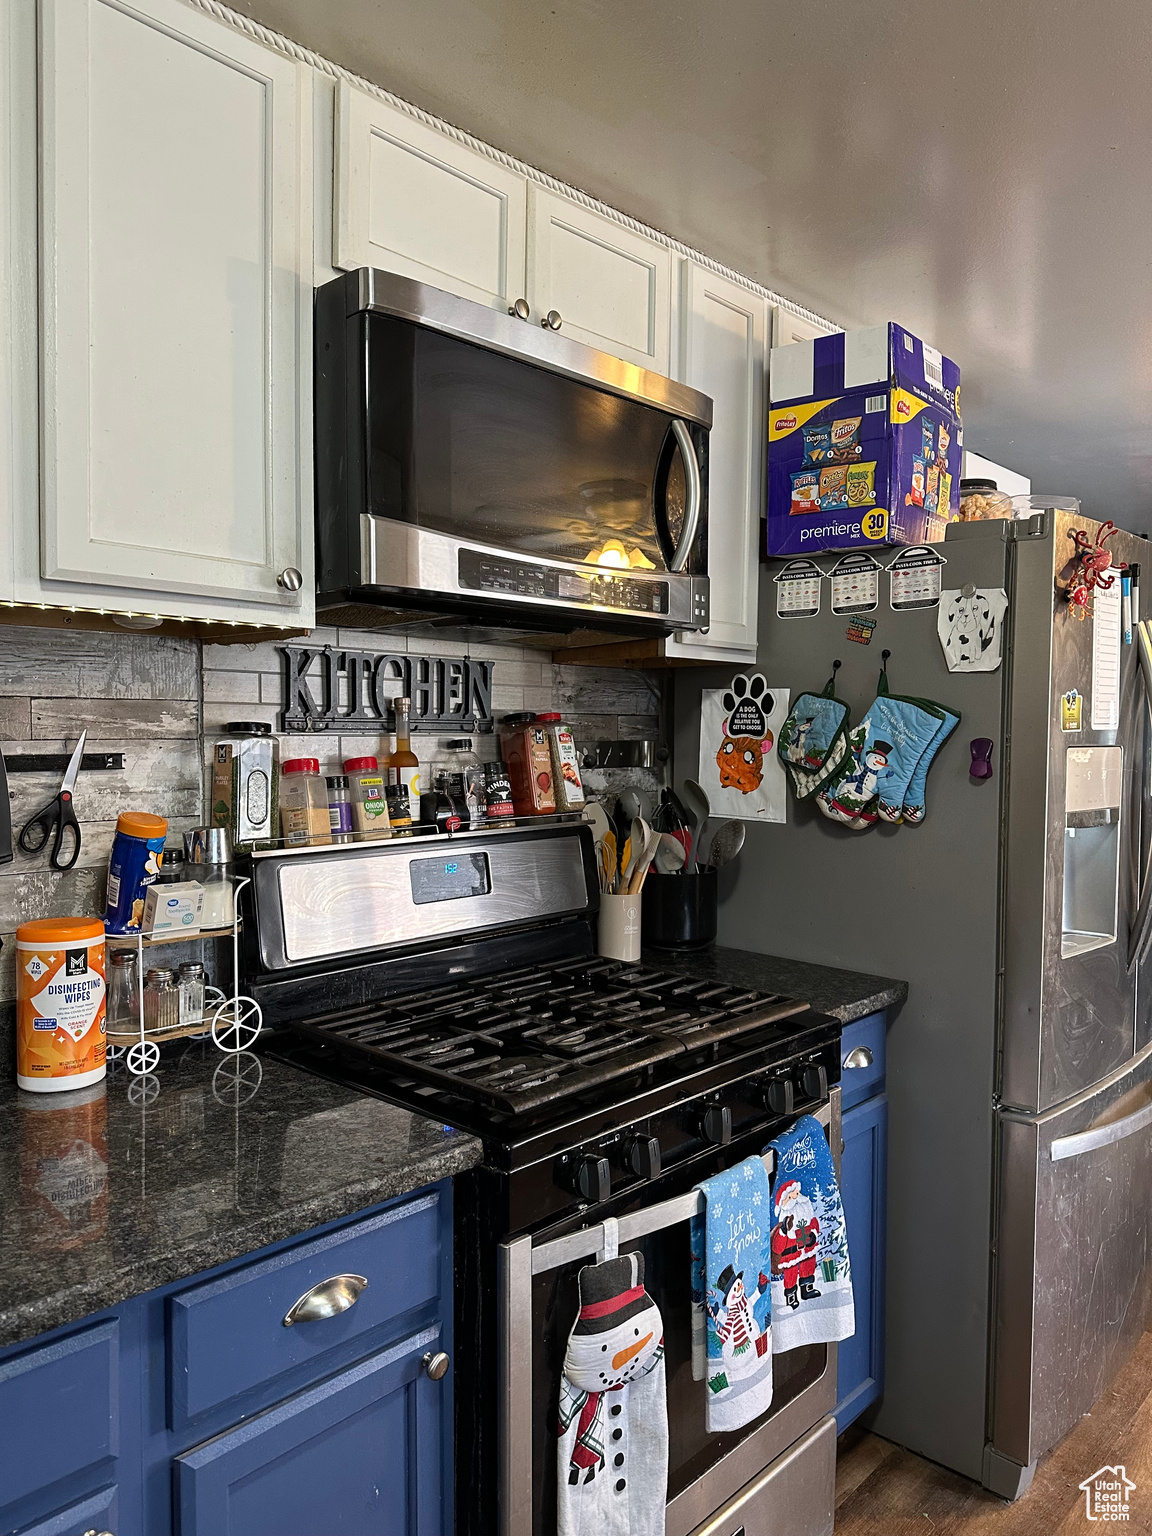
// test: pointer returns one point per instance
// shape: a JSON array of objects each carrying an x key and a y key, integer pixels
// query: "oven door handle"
[{"x": 692, "y": 495}]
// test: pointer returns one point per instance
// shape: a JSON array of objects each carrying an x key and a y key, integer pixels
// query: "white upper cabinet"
[
  {"x": 610, "y": 287},
  {"x": 409, "y": 199},
  {"x": 787, "y": 328},
  {"x": 723, "y": 353},
  {"x": 175, "y": 310}
]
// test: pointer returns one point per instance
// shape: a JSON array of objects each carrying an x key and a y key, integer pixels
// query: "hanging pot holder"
[{"x": 814, "y": 739}]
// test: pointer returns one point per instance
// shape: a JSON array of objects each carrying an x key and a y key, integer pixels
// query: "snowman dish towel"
[
  {"x": 811, "y": 1273},
  {"x": 612, "y": 1456},
  {"x": 731, "y": 1305}
]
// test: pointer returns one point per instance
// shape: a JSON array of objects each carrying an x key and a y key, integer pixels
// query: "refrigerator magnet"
[
  {"x": 915, "y": 578},
  {"x": 1072, "y": 711},
  {"x": 855, "y": 583},
  {"x": 860, "y": 629},
  {"x": 739, "y": 770},
  {"x": 798, "y": 587}
]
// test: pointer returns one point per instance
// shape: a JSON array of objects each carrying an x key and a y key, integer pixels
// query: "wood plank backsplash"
[{"x": 162, "y": 702}]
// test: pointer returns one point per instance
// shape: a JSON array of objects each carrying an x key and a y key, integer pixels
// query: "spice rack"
[{"x": 233, "y": 1022}]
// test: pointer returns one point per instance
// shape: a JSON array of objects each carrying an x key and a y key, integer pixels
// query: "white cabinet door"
[
  {"x": 610, "y": 286},
  {"x": 787, "y": 328},
  {"x": 409, "y": 199},
  {"x": 175, "y": 292},
  {"x": 723, "y": 353}
]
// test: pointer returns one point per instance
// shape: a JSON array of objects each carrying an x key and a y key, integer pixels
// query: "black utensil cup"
[{"x": 679, "y": 911}]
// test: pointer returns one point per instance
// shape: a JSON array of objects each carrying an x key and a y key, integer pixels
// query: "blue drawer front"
[
  {"x": 59, "y": 1410},
  {"x": 228, "y": 1335},
  {"x": 865, "y": 1038},
  {"x": 98, "y": 1513}
]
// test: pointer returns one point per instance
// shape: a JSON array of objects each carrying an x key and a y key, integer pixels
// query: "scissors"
[{"x": 57, "y": 816}]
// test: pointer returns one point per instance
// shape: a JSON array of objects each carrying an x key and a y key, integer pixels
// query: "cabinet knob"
[
  {"x": 328, "y": 1298},
  {"x": 519, "y": 309},
  {"x": 95, "y": 1532},
  {"x": 860, "y": 1057},
  {"x": 553, "y": 320},
  {"x": 290, "y": 579},
  {"x": 436, "y": 1365}
]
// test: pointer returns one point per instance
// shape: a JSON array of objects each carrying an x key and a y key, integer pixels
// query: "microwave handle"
[{"x": 692, "y": 495}]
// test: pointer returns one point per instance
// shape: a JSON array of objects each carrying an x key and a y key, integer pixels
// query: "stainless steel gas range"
[{"x": 458, "y": 976}]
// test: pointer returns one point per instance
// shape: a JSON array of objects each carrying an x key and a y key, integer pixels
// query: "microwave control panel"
[{"x": 522, "y": 578}]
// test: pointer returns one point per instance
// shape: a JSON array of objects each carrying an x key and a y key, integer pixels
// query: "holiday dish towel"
[
  {"x": 731, "y": 1305},
  {"x": 811, "y": 1273},
  {"x": 612, "y": 1457}
]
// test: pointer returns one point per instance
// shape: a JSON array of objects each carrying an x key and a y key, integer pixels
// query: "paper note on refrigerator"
[{"x": 1106, "y": 658}]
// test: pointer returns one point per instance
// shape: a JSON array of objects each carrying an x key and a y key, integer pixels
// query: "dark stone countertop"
[
  {"x": 846, "y": 995},
  {"x": 105, "y": 1193}
]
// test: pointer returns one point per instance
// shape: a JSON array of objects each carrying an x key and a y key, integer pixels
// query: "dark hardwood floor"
[{"x": 883, "y": 1490}]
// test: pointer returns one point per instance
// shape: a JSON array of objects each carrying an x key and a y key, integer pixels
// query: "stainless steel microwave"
[{"x": 478, "y": 463}]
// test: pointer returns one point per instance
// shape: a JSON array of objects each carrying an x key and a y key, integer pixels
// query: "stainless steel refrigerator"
[{"x": 1020, "y": 1067}]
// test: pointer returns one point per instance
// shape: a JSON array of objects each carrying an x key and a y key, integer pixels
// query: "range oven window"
[{"x": 479, "y": 446}]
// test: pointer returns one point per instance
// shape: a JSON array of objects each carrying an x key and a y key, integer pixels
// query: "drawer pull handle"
[
  {"x": 95, "y": 1532},
  {"x": 860, "y": 1057},
  {"x": 436, "y": 1364},
  {"x": 326, "y": 1299}
]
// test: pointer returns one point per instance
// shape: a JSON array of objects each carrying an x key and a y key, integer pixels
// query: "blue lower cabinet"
[
  {"x": 360, "y": 1453},
  {"x": 99, "y": 1512},
  {"x": 863, "y": 1188}
]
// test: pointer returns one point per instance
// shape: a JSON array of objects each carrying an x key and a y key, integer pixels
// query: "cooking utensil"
[
  {"x": 670, "y": 854},
  {"x": 609, "y": 860},
  {"x": 57, "y": 816},
  {"x": 597, "y": 817},
  {"x": 644, "y": 863},
  {"x": 636, "y": 803},
  {"x": 727, "y": 842},
  {"x": 700, "y": 808}
]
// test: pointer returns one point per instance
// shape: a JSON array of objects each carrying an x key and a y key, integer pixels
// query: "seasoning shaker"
[
  {"x": 123, "y": 991},
  {"x": 339, "y": 807},
  {"x": 161, "y": 999},
  {"x": 245, "y": 785},
  {"x": 566, "y": 780},
  {"x": 208, "y": 859},
  {"x": 191, "y": 988}
]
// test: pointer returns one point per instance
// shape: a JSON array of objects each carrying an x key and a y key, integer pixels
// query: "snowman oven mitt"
[
  {"x": 885, "y": 750},
  {"x": 612, "y": 1454},
  {"x": 813, "y": 739}
]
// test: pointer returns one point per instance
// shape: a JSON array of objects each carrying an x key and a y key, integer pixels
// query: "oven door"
[{"x": 538, "y": 1281}]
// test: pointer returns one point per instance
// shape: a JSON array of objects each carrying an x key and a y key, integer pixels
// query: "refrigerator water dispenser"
[{"x": 1093, "y": 781}]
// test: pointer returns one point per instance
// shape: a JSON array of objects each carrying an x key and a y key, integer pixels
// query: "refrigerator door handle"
[
  {"x": 1101, "y": 1135},
  {"x": 1141, "y": 929}
]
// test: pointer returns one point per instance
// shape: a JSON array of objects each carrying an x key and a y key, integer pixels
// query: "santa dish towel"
[
  {"x": 811, "y": 1275},
  {"x": 612, "y": 1466},
  {"x": 731, "y": 1306}
]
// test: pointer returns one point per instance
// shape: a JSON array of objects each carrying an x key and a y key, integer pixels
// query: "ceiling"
[{"x": 977, "y": 171}]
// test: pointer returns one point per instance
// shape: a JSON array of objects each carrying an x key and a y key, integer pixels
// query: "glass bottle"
[
  {"x": 403, "y": 764},
  {"x": 470, "y": 771},
  {"x": 123, "y": 992},
  {"x": 161, "y": 999},
  {"x": 191, "y": 985}
]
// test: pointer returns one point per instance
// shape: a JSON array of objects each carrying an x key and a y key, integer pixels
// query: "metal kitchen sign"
[{"x": 327, "y": 688}]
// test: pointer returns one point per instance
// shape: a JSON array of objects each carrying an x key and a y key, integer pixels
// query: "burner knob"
[
  {"x": 594, "y": 1178},
  {"x": 781, "y": 1096},
  {"x": 644, "y": 1157},
  {"x": 815, "y": 1081},
  {"x": 718, "y": 1125}
]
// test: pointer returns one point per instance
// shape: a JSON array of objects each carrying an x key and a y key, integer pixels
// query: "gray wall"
[
  {"x": 916, "y": 903},
  {"x": 161, "y": 701}
]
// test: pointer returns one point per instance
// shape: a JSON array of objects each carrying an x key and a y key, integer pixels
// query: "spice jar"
[
  {"x": 191, "y": 988},
  {"x": 524, "y": 748},
  {"x": 569, "y": 787},
  {"x": 133, "y": 866},
  {"x": 161, "y": 999},
  {"x": 172, "y": 870},
  {"x": 339, "y": 807},
  {"x": 497, "y": 792},
  {"x": 980, "y": 501},
  {"x": 124, "y": 992},
  {"x": 369, "y": 800},
  {"x": 304, "y": 803}
]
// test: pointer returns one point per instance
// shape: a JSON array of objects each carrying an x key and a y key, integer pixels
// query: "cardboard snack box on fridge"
[{"x": 863, "y": 442}]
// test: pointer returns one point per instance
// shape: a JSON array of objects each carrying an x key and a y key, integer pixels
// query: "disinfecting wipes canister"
[{"x": 60, "y": 1003}]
